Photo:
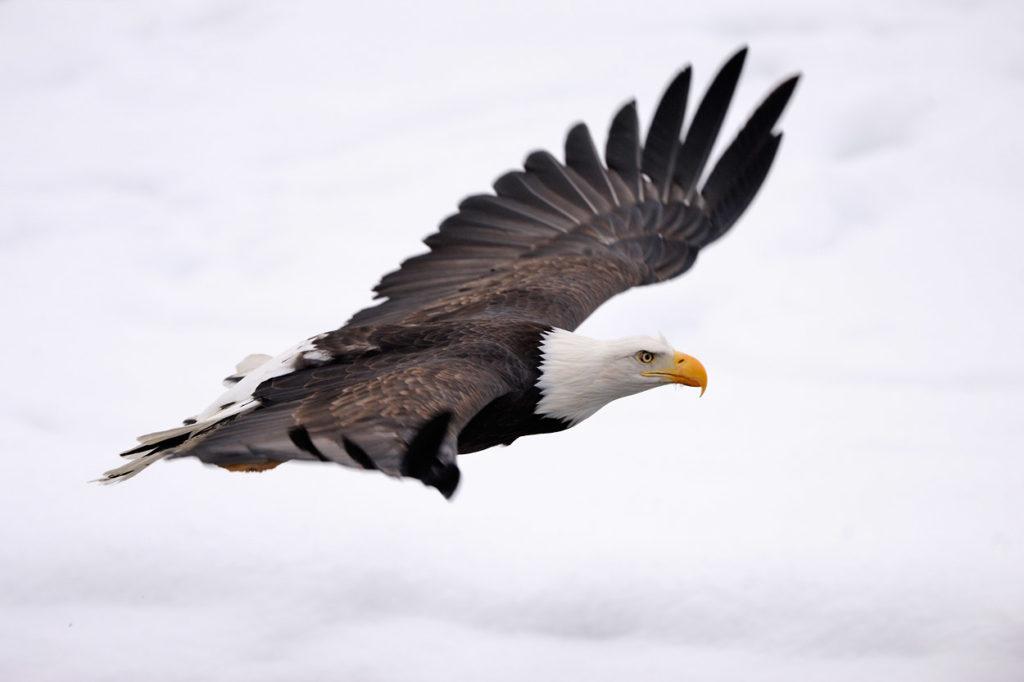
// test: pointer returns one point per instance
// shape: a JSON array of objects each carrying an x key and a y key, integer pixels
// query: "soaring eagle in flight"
[{"x": 474, "y": 344}]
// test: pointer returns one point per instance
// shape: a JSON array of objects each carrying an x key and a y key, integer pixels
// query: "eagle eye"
[{"x": 645, "y": 356}]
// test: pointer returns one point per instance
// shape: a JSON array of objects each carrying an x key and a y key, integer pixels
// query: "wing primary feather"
[
  {"x": 756, "y": 132},
  {"x": 731, "y": 205},
  {"x": 529, "y": 189},
  {"x": 560, "y": 179},
  {"x": 701, "y": 134},
  {"x": 581, "y": 155},
  {"x": 508, "y": 207},
  {"x": 662, "y": 145},
  {"x": 505, "y": 221},
  {"x": 622, "y": 151}
]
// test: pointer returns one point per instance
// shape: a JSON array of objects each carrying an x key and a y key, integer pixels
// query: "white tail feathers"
[
  {"x": 139, "y": 461},
  {"x": 248, "y": 364},
  {"x": 239, "y": 399},
  {"x": 160, "y": 436},
  {"x": 251, "y": 362},
  {"x": 146, "y": 456}
]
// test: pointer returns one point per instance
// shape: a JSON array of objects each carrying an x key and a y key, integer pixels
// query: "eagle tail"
[
  {"x": 152, "y": 447},
  {"x": 137, "y": 463}
]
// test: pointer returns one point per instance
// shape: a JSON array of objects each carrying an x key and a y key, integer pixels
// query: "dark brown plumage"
[{"x": 450, "y": 361}]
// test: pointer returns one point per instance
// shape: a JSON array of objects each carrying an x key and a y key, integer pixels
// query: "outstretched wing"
[
  {"x": 399, "y": 413},
  {"x": 557, "y": 240},
  {"x": 387, "y": 398}
]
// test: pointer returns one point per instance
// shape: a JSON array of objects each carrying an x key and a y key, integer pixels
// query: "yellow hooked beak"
[{"x": 687, "y": 371}]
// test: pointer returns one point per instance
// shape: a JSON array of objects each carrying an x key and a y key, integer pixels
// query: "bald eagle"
[{"x": 473, "y": 345}]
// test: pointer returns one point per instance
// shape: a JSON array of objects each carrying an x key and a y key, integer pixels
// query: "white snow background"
[{"x": 185, "y": 183}]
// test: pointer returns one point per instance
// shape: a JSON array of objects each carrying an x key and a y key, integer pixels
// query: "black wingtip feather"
[
  {"x": 707, "y": 122},
  {"x": 622, "y": 151},
  {"x": 744, "y": 188},
  {"x": 581, "y": 155},
  {"x": 744, "y": 156},
  {"x": 662, "y": 145}
]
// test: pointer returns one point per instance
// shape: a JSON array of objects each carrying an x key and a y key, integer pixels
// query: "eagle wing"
[
  {"x": 380, "y": 403},
  {"x": 557, "y": 240},
  {"x": 321, "y": 414}
]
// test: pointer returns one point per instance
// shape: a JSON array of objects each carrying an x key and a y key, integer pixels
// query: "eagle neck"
[{"x": 570, "y": 382}]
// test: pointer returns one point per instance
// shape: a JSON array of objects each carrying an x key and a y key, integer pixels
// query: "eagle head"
[{"x": 580, "y": 375}]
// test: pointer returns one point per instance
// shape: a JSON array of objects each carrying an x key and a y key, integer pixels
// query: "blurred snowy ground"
[{"x": 185, "y": 183}]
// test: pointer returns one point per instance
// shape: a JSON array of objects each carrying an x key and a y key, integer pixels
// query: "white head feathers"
[{"x": 579, "y": 375}]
